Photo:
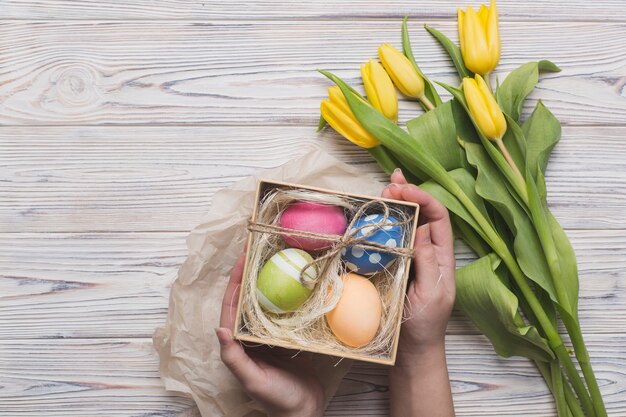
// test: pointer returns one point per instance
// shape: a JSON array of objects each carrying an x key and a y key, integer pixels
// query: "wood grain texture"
[
  {"x": 263, "y": 72},
  {"x": 107, "y": 179},
  {"x": 119, "y": 377},
  {"x": 554, "y": 10},
  {"x": 89, "y": 377},
  {"x": 86, "y": 285},
  {"x": 484, "y": 384},
  {"x": 93, "y": 216}
]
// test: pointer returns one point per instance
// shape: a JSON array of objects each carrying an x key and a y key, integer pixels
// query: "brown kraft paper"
[{"x": 189, "y": 353}]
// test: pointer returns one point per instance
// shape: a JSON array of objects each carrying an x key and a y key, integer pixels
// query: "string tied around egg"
[{"x": 348, "y": 239}]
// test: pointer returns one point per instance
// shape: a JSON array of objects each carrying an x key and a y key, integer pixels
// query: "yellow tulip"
[
  {"x": 379, "y": 88},
  {"x": 480, "y": 38},
  {"x": 483, "y": 107},
  {"x": 337, "y": 113},
  {"x": 404, "y": 76}
]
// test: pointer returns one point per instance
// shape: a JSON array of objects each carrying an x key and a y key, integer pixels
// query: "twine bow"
[{"x": 348, "y": 239}]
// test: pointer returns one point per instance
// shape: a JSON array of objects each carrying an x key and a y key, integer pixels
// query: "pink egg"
[{"x": 312, "y": 217}]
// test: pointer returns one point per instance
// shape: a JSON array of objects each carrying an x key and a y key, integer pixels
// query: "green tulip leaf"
[
  {"x": 566, "y": 287},
  {"x": 547, "y": 306},
  {"x": 321, "y": 123},
  {"x": 564, "y": 253},
  {"x": 515, "y": 142},
  {"x": 464, "y": 126},
  {"x": 466, "y": 181},
  {"x": 429, "y": 89},
  {"x": 402, "y": 143},
  {"x": 518, "y": 84},
  {"x": 411, "y": 168},
  {"x": 542, "y": 131},
  {"x": 567, "y": 260},
  {"x": 492, "y": 150},
  {"x": 526, "y": 243},
  {"x": 385, "y": 159},
  {"x": 452, "y": 50},
  {"x": 501, "y": 226},
  {"x": 463, "y": 230},
  {"x": 549, "y": 66},
  {"x": 493, "y": 308},
  {"x": 393, "y": 137},
  {"x": 435, "y": 131}
]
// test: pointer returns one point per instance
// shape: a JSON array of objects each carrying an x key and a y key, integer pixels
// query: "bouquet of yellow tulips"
[{"x": 475, "y": 155}]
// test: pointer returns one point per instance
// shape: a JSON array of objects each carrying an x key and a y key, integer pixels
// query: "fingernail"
[
  {"x": 221, "y": 336},
  {"x": 397, "y": 171},
  {"x": 424, "y": 236}
]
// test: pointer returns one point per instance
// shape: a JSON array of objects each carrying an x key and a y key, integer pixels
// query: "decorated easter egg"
[
  {"x": 356, "y": 318},
  {"x": 312, "y": 217},
  {"x": 279, "y": 286},
  {"x": 370, "y": 261}
]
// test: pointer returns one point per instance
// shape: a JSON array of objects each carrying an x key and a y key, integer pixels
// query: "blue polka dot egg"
[{"x": 371, "y": 261}]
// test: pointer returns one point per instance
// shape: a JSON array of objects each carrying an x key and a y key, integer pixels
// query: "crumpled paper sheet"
[{"x": 187, "y": 346}]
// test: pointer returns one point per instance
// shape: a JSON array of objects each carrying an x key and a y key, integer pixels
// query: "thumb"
[
  {"x": 237, "y": 360},
  {"x": 426, "y": 265}
]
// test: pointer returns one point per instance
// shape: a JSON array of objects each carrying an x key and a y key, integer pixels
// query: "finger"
[
  {"x": 434, "y": 213},
  {"x": 240, "y": 364},
  {"x": 427, "y": 271},
  {"x": 397, "y": 177},
  {"x": 395, "y": 191},
  {"x": 231, "y": 296},
  {"x": 386, "y": 193}
]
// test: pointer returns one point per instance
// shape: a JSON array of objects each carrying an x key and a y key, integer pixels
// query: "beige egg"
[{"x": 356, "y": 318}]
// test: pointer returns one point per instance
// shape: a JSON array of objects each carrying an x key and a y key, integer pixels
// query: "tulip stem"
[
  {"x": 520, "y": 178},
  {"x": 426, "y": 102},
  {"x": 582, "y": 355},
  {"x": 557, "y": 389},
  {"x": 554, "y": 339},
  {"x": 570, "y": 398}
]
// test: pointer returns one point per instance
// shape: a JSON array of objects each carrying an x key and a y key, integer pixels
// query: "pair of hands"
[{"x": 288, "y": 386}]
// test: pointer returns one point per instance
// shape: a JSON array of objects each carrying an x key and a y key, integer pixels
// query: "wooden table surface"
[{"x": 120, "y": 119}]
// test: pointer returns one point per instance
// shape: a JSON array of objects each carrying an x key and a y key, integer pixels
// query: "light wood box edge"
[{"x": 331, "y": 352}]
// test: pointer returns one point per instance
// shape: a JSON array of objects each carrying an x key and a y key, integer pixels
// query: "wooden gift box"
[{"x": 264, "y": 186}]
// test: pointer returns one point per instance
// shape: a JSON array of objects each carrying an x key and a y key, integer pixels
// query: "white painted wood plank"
[
  {"x": 113, "y": 377},
  {"x": 320, "y": 9},
  {"x": 263, "y": 72},
  {"x": 144, "y": 178},
  {"x": 84, "y": 285},
  {"x": 486, "y": 385},
  {"x": 96, "y": 377}
]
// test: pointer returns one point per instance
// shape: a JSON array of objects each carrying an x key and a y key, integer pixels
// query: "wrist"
[
  {"x": 312, "y": 408},
  {"x": 420, "y": 360},
  {"x": 299, "y": 413},
  {"x": 421, "y": 376}
]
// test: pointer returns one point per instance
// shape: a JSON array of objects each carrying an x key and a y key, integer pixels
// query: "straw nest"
[{"x": 307, "y": 327}]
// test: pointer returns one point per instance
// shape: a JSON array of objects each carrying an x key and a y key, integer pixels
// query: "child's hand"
[
  {"x": 430, "y": 296},
  {"x": 283, "y": 385},
  {"x": 419, "y": 384}
]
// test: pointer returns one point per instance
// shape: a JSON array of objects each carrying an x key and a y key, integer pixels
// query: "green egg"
[{"x": 279, "y": 288}]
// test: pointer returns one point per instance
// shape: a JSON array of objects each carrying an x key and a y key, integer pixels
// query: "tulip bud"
[
  {"x": 483, "y": 108},
  {"x": 480, "y": 38},
  {"x": 401, "y": 71},
  {"x": 339, "y": 116},
  {"x": 379, "y": 89}
]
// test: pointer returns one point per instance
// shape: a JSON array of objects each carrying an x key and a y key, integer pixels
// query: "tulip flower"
[
  {"x": 337, "y": 113},
  {"x": 480, "y": 38},
  {"x": 483, "y": 107},
  {"x": 403, "y": 74},
  {"x": 491, "y": 122},
  {"x": 379, "y": 89}
]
